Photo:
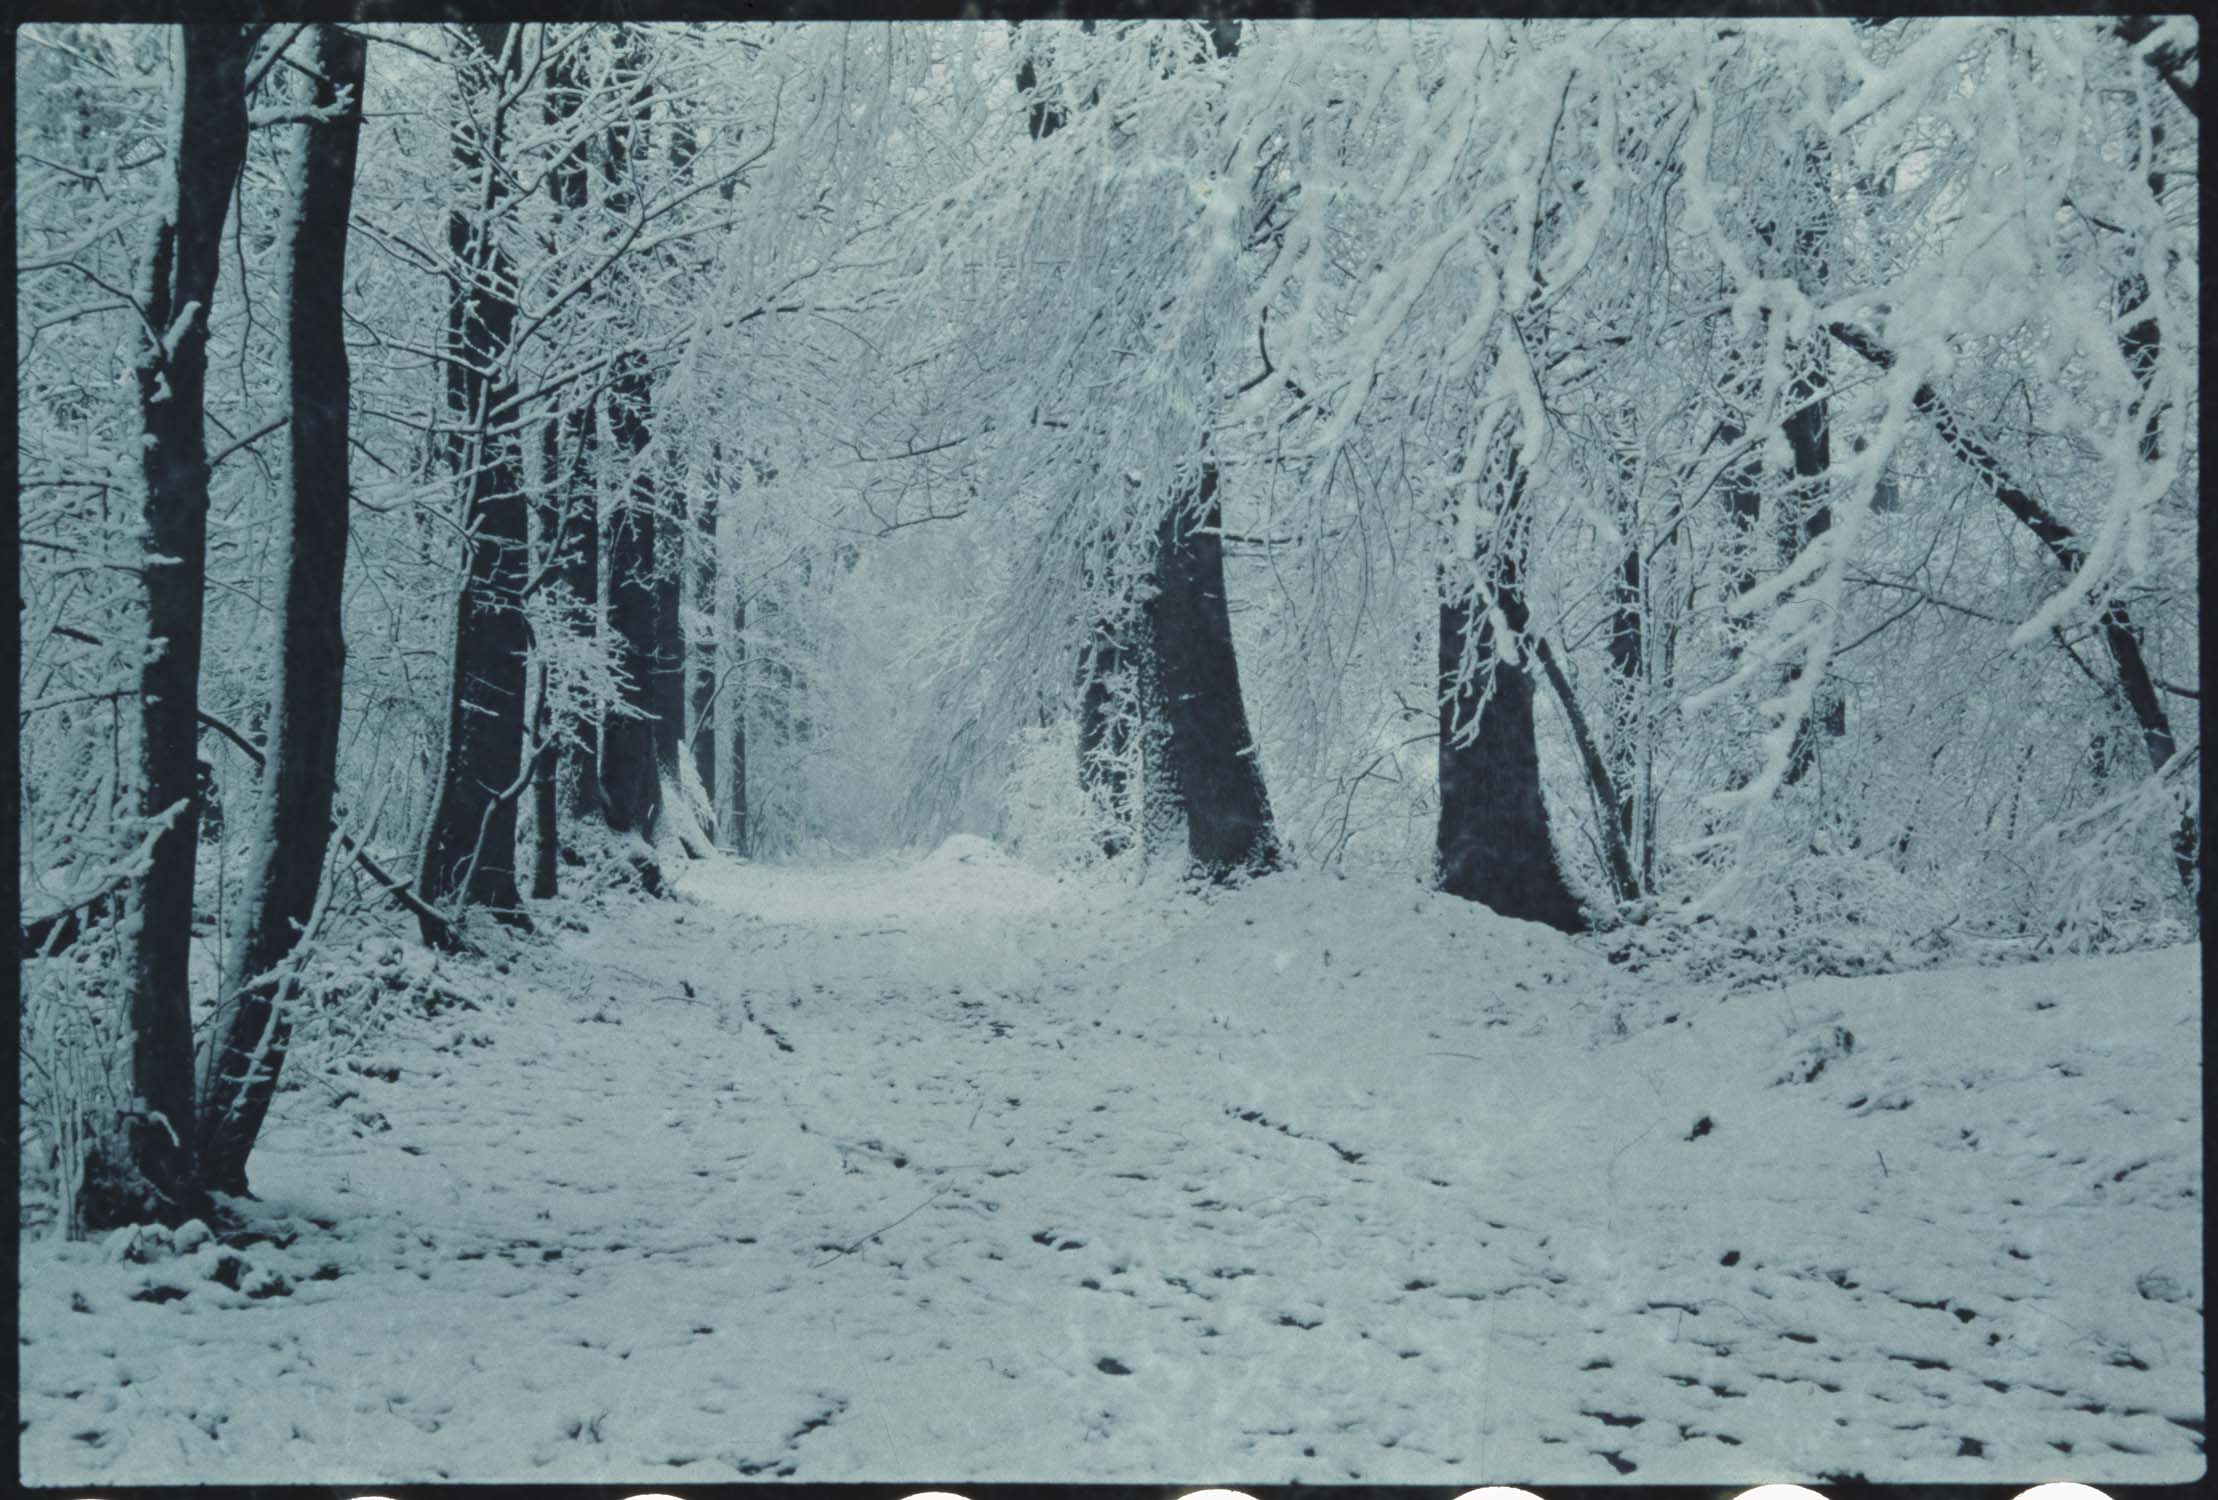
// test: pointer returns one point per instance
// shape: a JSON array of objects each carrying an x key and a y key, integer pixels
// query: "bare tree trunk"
[
  {"x": 546, "y": 807},
  {"x": 1809, "y": 436},
  {"x": 470, "y": 849},
  {"x": 630, "y": 787},
  {"x": 161, "y": 1177},
  {"x": 1617, "y": 860},
  {"x": 578, "y": 546},
  {"x": 631, "y": 742},
  {"x": 302, "y": 754},
  {"x": 668, "y": 685},
  {"x": 1630, "y": 744},
  {"x": 546, "y": 804},
  {"x": 701, "y": 717},
  {"x": 739, "y": 837},
  {"x": 1211, "y": 754},
  {"x": 1494, "y": 843}
]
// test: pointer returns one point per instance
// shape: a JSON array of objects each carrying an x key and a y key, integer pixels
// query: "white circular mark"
[
  {"x": 2062, "y": 1492},
  {"x": 1779, "y": 1492},
  {"x": 1498, "y": 1492}
]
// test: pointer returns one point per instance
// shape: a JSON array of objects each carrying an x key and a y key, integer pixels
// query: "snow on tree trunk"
[
  {"x": 1211, "y": 755},
  {"x": 546, "y": 802},
  {"x": 578, "y": 543},
  {"x": 668, "y": 683},
  {"x": 161, "y": 1178},
  {"x": 1809, "y": 433},
  {"x": 301, "y": 755},
  {"x": 733, "y": 706},
  {"x": 469, "y": 856},
  {"x": 701, "y": 660}
]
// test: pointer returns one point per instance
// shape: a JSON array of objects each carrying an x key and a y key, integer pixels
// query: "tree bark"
[
  {"x": 1809, "y": 436},
  {"x": 546, "y": 803},
  {"x": 1630, "y": 745},
  {"x": 632, "y": 742},
  {"x": 469, "y": 854},
  {"x": 1493, "y": 840},
  {"x": 1617, "y": 860},
  {"x": 701, "y": 716},
  {"x": 302, "y": 752},
  {"x": 160, "y": 1176},
  {"x": 578, "y": 546},
  {"x": 738, "y": 838},
  {"x": 668, "y": 695},
  {"x": 1219, "y": 785},
  {"x": 630, "y": 788}
]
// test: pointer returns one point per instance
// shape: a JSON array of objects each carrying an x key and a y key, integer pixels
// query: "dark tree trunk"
[
  {"x": 546, "y": 803},
  {"x": 546, "y": 808},
  {"x": 1211, "y": 754},
  {"x": 631, "y": 742},
  {"x": 302, "y": 753},
  {"x": 671, "y": 680},
  {"x": 1809, "y": 436},
  {"x": 546, "y": 812},
  {"x": 1494, "y": 844},
  {"x": 1742, "y": 492},
  {"x": 470, "y": 850},
  {"x": 2143, "y": 345},
  {"x": 669, "y": 684},
  {"x": 578, "y": 546},
  {"x": 701, "y": 718},
  {"x": 630, "y": 787},
  {"x": 1617, "y": 860},
  {"x": 581, "y": 570},
  {"x": 161, "y": 1178},
  {"x": 739, "y": 838},
  {"x": 1628, "y": 664}
]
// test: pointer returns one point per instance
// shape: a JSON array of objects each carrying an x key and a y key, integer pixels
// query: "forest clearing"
[{"x": 1195, "y": 748}]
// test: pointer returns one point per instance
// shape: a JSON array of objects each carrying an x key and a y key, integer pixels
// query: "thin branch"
[{"x": 249, "y": 440}]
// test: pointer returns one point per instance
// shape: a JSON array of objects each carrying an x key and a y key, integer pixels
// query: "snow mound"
[
  {"x": 965, "y": 849},
  {"x": 1311, "y": 944}
]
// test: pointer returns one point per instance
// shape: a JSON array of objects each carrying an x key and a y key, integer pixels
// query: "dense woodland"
[{"x": 1721, "y": 486}]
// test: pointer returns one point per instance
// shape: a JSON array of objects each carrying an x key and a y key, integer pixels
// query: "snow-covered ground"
[{"x": 946, "y": 1169}]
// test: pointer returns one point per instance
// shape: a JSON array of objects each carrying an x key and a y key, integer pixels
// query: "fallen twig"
[{"x": 881, "y": 1229}]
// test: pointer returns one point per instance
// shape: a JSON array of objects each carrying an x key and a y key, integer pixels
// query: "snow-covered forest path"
[{"x": 944, "y": 1169}]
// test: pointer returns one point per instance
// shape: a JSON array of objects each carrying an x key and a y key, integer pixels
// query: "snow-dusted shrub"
[
  {"x": 74, "y": 1073},
  {"x": 2104, "y": 882},
  {"x": 1818, "y": 913},
  {"x": 1050, "y": 821}
]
